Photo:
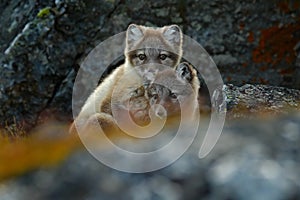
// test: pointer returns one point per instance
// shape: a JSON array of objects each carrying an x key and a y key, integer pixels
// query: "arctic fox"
[{"x": 144, "y": 45}]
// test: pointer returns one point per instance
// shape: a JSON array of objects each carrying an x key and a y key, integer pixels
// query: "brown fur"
[
  {"x": 176, "y": 90},
  {"x": 154, "y": 44}
]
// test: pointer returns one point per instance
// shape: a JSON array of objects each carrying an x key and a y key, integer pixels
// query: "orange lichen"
[
  {"x": 276, "y": 45},
  {"x": 20, "y": 155},
  {"x": 287, "y": 7},
  {"x": 284, "y": 6},
  {"x": 263, "y": 68},
  {"x": 47, "y": 146},
  {"x": 242, "y": 25},
  {"x": 286, "y": 71},
  {"x": 251, "y": 37}
]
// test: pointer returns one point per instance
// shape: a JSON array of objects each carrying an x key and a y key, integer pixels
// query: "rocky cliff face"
[{"x": 43, "y": 43}]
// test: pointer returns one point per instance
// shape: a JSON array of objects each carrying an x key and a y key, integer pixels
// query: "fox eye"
[
  {"x": 173, "y": 95},
  {"x": 138, "y": 92},
  {"x": 142, "y": 56},
  {"x": 155, "y": 97},
  {"x": 162, "y": 56}
]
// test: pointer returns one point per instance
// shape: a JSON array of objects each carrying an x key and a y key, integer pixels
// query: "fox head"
[
  {"x": 175, "y": 89},
  {"x": 170, "y": 92},
  {"x": 145, "y": 45}
]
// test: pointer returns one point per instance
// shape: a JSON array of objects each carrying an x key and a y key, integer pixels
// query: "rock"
[
  {"x": 260, "y": 99},
  {"x": 224, "y": 60},
  {"x": 41, "y": 57},
  {"x": 252, "y": 159},
  {"x": 45, "y": 42}
]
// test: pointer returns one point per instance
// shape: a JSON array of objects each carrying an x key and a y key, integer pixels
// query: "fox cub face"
[
  {"x": 146, "y": 45},
  {"x": 175, "y": 90}
]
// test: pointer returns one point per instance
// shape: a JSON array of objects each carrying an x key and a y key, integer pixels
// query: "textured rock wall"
[{"x": 42, "y": 43}]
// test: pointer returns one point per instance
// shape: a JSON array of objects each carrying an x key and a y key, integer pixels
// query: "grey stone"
[
  {"x": 224, "y": 60},
  {"x": 44, "y": 42}
]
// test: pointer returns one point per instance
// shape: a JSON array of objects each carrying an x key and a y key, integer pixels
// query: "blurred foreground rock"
[{"x": 253, "y": 159}]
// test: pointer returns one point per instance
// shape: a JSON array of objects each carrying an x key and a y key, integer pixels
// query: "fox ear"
[
  {"x": 133, "y": 34},
  {"x": 184, "y": 72},
  {"x": 173, "y": 34}
]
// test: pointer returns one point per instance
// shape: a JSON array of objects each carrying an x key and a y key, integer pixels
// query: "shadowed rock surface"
[{"x": 43, "y": 42}]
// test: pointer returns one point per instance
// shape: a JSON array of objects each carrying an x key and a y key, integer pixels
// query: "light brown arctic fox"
[
  {"x": 176, "y": 90},
  {"x": 144, "y": 46}
]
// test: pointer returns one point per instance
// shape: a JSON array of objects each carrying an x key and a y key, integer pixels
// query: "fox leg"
[{"x": 104, "y": 120}]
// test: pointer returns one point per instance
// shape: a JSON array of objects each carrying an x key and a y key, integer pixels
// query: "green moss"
[{"x": 44, "y": 12}]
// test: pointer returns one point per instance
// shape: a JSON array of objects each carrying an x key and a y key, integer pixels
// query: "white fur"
[
  {"x": 172, "y": 34},
  {"x": 95, "y": 100},
  {"x": 134, "y": 33}
]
